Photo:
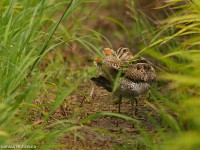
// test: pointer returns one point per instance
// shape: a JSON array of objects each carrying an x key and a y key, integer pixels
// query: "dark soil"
[{"x": 107, "y": 132}]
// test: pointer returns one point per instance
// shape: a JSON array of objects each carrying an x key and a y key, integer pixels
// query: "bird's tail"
[{"x": 103, "y": 82}]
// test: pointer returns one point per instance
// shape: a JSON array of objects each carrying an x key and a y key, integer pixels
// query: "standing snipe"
[{"x": 135, "y": 77}]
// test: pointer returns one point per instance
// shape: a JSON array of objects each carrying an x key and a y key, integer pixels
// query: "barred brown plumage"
[{"x": 135, "y": 78}]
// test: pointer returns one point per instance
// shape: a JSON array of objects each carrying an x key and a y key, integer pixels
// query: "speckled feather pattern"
[
  {"x": 137, "y": 75},
  {"x": 129, "y": 89}
]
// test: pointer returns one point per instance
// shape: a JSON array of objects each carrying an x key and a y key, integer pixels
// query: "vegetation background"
[{"x": 46, "y": 62}]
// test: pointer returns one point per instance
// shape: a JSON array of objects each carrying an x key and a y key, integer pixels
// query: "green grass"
[
  {"x": 175, "y": 46},
  {"x": 34, "y": 37},
  {"x": 25, "y": 39}
]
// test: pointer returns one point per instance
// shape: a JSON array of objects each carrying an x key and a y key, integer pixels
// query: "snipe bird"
[{"x": 136, "y": 76}]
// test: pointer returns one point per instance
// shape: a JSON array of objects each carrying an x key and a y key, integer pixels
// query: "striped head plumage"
[
  {"x": 110, "y": 54},
  {"x": 124, "y": 54}
]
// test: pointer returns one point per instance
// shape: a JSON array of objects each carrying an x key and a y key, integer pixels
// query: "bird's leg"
[
  {"x": 132, "y": 108},
  {"x": 136, "y": 107},
  {"x": 119, "y": 105},
  {"x": 149, "y": 94},
  {"x": 149, "y": 97},
  {"x": 119, "y": 108}
]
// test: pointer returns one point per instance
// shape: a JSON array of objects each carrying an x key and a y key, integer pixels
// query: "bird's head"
[
  {"x": 124, "y": 54},
  {"x": 109, "y": 52}
]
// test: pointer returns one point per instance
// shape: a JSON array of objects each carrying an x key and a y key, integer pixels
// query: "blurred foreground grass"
[{"x": 34, "y": 61}]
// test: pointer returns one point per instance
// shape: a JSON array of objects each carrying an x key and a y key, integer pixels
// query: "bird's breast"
[{"x": 128, "y": 88}]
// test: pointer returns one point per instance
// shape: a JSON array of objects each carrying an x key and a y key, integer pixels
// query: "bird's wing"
[
  {"x": 112, "y": 64},
  {"x": 140, "y": 71},
  {"x": 107, "y": 68}
]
